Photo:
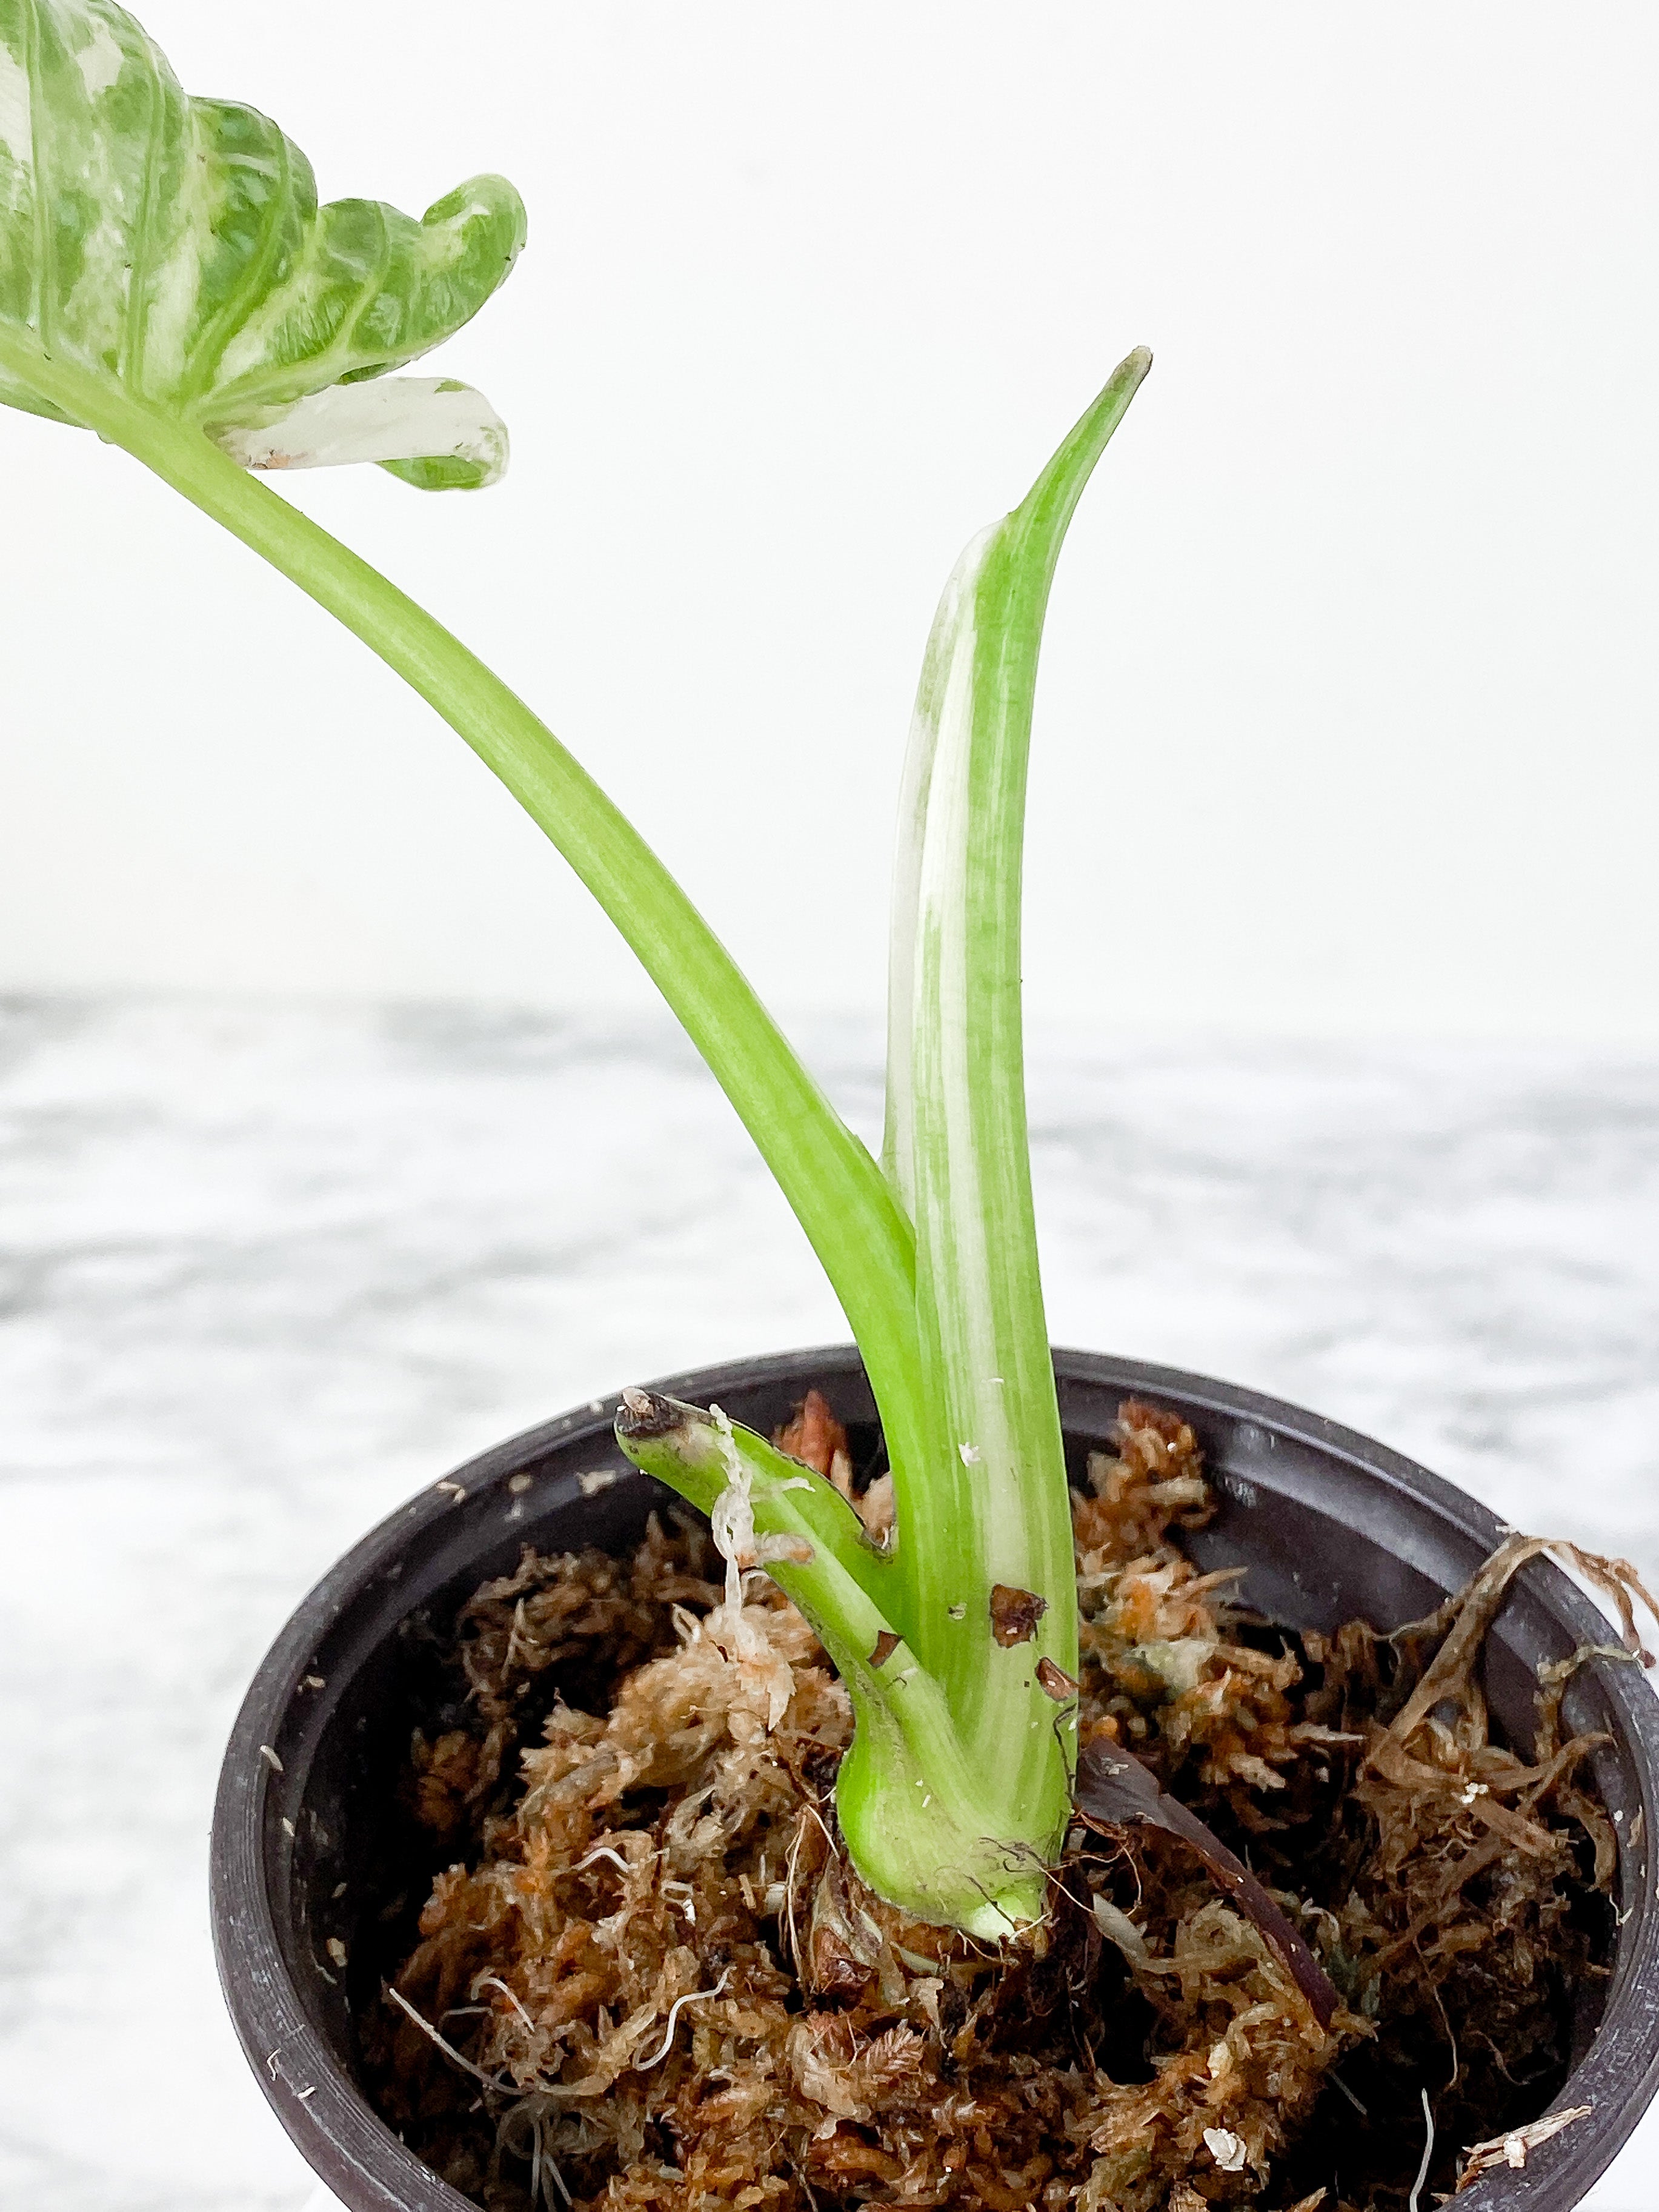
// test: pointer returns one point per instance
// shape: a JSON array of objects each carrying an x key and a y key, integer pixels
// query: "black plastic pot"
[{"x": 311, "y": 1854}]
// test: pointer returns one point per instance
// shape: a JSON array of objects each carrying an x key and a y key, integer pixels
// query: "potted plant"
[{"x": 937, "y": 1751}]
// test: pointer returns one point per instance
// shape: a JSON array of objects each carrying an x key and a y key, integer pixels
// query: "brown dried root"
[{"x": 666, "y": 1987}]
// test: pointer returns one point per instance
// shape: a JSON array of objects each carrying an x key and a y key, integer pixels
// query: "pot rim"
[{"x": 361, "y": 2159}]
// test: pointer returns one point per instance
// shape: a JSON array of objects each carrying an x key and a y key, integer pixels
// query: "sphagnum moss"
[{"x": 652, "y": 1939}]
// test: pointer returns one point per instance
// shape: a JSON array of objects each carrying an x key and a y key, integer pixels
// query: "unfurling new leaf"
[{"x": 175, "y": 247}]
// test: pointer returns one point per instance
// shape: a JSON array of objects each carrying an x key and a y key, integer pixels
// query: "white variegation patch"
[
  {"x": 99, "y": 60},
  {"x": 176, "y": 269},
  {"x": 395, "y": 418},
  {"x": 946, "y": 681},
  {"x": 17, "y": 122}
]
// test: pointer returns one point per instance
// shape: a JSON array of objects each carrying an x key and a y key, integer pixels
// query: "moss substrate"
[{"x": 649, "y": 1981}]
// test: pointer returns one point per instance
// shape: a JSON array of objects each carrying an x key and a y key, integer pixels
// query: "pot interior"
[{"x": 321, "y": 1871}]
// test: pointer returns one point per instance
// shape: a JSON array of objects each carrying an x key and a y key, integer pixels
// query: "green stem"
[{"x": 835, "y": 1189}]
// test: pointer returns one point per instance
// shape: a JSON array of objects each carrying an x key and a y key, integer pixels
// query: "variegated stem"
[{"x": 992, "y": 1510}]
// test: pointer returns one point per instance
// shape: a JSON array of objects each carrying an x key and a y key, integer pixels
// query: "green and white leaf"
[
  {"x": 175, "y": 247},
  {"x": 994, "y": 1507}
]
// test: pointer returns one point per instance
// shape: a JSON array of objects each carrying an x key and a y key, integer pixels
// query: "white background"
[
  {"x": 1345, "y": 734},
  {"x": 1347, "y": 722}
]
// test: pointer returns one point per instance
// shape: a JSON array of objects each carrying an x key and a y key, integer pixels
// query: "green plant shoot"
[{"x": 169, "y": 281}]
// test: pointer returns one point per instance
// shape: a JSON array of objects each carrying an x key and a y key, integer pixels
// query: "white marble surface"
[{"x": 266, "y": 1270}]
